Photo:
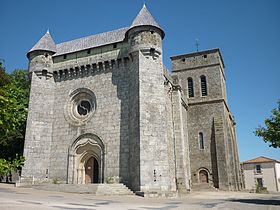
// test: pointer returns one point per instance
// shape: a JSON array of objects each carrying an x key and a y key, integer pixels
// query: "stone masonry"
[{"x": 104, "y": 109}]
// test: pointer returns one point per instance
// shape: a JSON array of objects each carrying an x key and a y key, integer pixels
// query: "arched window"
[
  {"x": 190, "y": 87},
  {"x": 203, "y": 85},
  {"x": 201, "y": 140}
]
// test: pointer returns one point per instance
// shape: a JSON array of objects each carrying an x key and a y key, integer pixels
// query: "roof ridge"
[
  {"x": 76, "y": 39},
  {"x": 91, "y": 41}
]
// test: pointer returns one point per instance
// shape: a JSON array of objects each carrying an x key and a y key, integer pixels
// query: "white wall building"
[{"x": 262, "y": 171}]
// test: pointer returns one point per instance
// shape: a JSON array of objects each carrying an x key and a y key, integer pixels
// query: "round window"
[
  {"x": 81, "y": 106},
  {"x": 84, "y": 107}
]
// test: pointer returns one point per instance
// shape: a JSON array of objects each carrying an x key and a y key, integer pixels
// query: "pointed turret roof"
[
  {"x": 46, "y": 43},
  {"x": 145, "y": 18}
]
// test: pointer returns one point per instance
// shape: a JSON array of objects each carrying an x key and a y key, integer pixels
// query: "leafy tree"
[
  {"x": 14, "y": 94},
  {"x": 4, "y": 167},
  {"x": 4, "y": 78},
  {"x": 17, "y": 163},
  {"x": 21, "y": 80},
  {"x": 271, "y": 133},
  {"x": 7, "y": 167}
]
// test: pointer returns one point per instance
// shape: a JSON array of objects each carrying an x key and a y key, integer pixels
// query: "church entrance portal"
[
  {"x": 203, "y": 176},
  {"x": 91, "y": 171},
  {"x": 86, "y": 160}
]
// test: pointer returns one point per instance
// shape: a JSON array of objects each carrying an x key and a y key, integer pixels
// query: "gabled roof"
[
  {"x": 91, "y": 41},
  {"x": 46, "y": 43},
  {"x": 145, "y": 18},
  {"x": 261, "y": 159}
]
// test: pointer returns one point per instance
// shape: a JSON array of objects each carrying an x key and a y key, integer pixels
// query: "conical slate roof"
[
  {"x": 46, "y": 43},
  {"x": 145, "y": 18}
]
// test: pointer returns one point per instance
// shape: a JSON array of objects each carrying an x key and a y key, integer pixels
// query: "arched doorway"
[
  {"x": 91, "y": 171},
  {"x": 203, "y": 176},
  {"x": 86, "y": 160}
]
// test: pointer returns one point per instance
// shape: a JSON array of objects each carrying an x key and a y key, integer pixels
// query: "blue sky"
[{"x": 246, "y": 31}]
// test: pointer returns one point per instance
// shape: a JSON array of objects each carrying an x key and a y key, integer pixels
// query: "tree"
[
  {"x": 14, "y": 96},
  {"x": 4, "y": 167},
  {"x": 271, "y": 133},
  {"x": 7, "y": 167},
  {"x": 4, "y": 77},
  {"x": 17, "y": 163}
]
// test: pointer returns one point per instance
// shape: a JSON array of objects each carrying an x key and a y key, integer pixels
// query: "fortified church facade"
[{"x": 103, "y": 108}]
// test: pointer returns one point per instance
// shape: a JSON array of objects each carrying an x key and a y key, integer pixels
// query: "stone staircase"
[
  {"x": 96, "y": 189},
  {"x": 203, "y": 187}
]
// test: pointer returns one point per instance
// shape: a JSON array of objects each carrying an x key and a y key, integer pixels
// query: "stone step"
[
  {"x": 203, "y": 187},
  {"x": 97, "y": 189}
]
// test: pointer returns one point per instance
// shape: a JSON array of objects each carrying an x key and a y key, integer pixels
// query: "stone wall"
[
  {"x": 134, "y": 123},
  {"x": 109, "y": 120},
  {"x": 37, "y": 147},
  {"x": 170, "y": 133},
  {"x": 154, "y": 167}
]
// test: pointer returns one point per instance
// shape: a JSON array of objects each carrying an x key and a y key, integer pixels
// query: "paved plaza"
[{"x": 26, "y": 198}]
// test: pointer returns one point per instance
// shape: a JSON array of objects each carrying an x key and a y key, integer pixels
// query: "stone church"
[{"x": 104, "y": 108}]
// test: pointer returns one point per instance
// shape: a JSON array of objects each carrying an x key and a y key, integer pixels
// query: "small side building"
[{"x": 262, "y": 172}]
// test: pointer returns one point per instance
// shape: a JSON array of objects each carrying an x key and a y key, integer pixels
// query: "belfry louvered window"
[
  {"x": 201, "y": 141},
  {"x": 190, "y": 87},
  {"x": 203, "y": 85}
]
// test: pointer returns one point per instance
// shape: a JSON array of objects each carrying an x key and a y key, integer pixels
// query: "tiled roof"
[
  {"x": 91, "y": 41},
  {"x": 45, "y": 43},
  {"x": 144, "y": 18},
  {"x": 261, "y": 159}
]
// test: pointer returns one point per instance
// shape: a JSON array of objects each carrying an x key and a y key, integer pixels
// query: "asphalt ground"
[{"x": 28, "y": 198}]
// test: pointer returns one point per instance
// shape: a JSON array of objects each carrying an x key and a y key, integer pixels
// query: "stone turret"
[
  {"x": 40, "y": 55},
  {"x": 146, "y": 35},
  {"x": 38, "y": 135},
  {"x": 149, "y": 167}
]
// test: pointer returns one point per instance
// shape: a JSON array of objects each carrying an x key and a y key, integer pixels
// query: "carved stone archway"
[{"x": 85, "y": 147}]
